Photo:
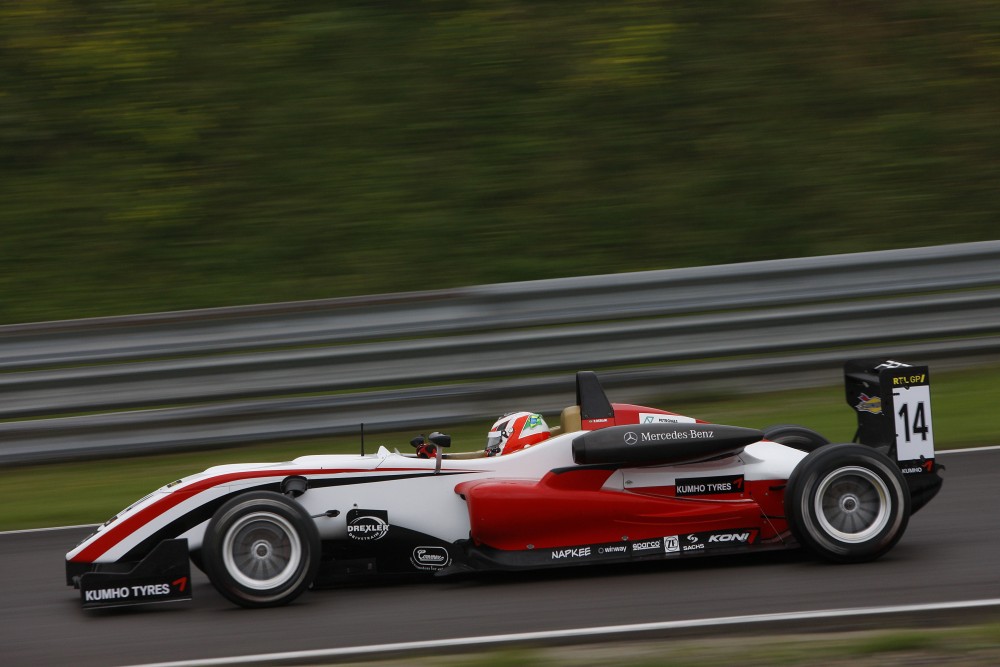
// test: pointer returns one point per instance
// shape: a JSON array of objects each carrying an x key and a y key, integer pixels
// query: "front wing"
[{"x": 162, "y": 576}]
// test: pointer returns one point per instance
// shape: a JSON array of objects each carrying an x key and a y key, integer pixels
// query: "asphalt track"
[{"x": 948, "y": 554}]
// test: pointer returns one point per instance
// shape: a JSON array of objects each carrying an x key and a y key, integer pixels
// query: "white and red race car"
[{"x": 615, "y": 483}]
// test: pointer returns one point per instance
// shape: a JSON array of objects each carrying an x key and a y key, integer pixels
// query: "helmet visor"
[{"x": 493, "y": 442}]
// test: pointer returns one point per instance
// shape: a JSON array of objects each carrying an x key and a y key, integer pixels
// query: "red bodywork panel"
[
  {"x": 570, "y": 508},
  {"x": 625, "y": 413}
]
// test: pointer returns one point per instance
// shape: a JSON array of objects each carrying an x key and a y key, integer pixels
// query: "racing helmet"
[{"x": 515, "y": 431}]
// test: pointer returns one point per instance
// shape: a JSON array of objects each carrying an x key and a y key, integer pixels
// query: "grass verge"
[{"x": 971, "y": 645}]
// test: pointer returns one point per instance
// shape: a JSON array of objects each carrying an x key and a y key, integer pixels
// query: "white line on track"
[
  {"x": 967, "y": 449},
  {"x": 498, "y": 640},
  {"x": 94, "y": 525},
  {"x": 45, "y": 530}
]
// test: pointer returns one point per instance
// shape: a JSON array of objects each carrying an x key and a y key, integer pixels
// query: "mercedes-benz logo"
[{"x": 631, "y": 438}]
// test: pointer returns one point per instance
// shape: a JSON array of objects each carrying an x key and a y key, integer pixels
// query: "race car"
[{"x": 612, "y": 483}]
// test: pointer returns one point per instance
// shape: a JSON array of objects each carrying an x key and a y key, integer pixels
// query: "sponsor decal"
[
  {"x": 655, "y": 418},
  {"x": 917, "y": 467},
  {"x": 741, "y": 537},
  {"x": 577, "y": 552},
  {"x": 866, "y": 403},
  {"x": 679, "y": 435},
  {"x": 671, "y": 544},
  {"x": 102, "y": 594},
  {"x": 430, "y": 558},
  {"x": 692, "y": 543},
  {"x": 367, "y": 525},
  {"x": 613, "y": 549},
  {"x": 631, "y": 438},
  {"x": 705, "y": 486},
  {"x": 717, "y": 539},
  {"x": 125, "y": 592},
  {"x": 135, "y": 592},
  {"x": 647, "y": 545},
  {"x": 907, "y": 380}
]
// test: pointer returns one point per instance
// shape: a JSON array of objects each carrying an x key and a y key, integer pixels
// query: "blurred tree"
[{"x": 188, "y": 154}]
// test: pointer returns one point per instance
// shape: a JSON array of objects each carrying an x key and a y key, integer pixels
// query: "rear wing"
[{"x": 892, "y": 401}]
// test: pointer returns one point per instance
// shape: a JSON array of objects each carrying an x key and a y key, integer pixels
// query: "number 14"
[{"x": 919, "y": 424}]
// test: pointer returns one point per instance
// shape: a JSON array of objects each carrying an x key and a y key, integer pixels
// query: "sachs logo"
[{"x": 631, "y": 438}]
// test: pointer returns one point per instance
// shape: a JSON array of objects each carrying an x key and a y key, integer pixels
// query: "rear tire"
[
  {"x": 795, "y": 436},
  {"x": 261, "y": 549},
  {"x": 847, "y": 503}
]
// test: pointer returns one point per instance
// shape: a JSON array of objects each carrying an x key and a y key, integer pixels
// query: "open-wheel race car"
[{"x": 612, "y": 483}]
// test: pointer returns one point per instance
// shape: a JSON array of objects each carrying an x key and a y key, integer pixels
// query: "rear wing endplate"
[{"x": 892, "y": 401}]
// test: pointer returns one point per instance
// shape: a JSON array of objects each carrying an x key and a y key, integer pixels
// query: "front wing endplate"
[{"x": 162, "y": 576}]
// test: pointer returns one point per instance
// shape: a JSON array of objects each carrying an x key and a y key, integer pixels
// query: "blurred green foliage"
[{"x": 158, "y": 156}]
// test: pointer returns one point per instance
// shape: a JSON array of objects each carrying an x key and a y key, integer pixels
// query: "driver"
[{"x": 515, "y": 431}]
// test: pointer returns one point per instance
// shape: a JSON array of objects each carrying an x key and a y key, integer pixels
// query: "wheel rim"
[
  {"x": 262, "y": 551},
  {"x": 852, "y": 504}
]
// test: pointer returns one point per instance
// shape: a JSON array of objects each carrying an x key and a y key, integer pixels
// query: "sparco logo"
[
  {"x": 645, "y": 546},
  {"x": 367, "y": 527},
  {"x": 631, "y": 438},
  {"x": 430, "y": 558}
]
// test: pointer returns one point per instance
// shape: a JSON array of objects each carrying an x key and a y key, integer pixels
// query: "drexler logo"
[{"x": 367, "y": 525}]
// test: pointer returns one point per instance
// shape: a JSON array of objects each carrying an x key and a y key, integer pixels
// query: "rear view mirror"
[{"x": 440, "y": 439}]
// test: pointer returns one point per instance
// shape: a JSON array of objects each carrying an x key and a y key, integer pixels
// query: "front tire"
[
  {"x": 261, "y": 549},
  {"x": 847, "y": 503}
]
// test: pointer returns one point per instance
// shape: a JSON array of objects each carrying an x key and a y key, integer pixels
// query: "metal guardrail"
[{"x": 227, "y": 375}]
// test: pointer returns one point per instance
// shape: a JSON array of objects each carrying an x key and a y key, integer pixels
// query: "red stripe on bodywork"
[{"x": 116, "y": 534}]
